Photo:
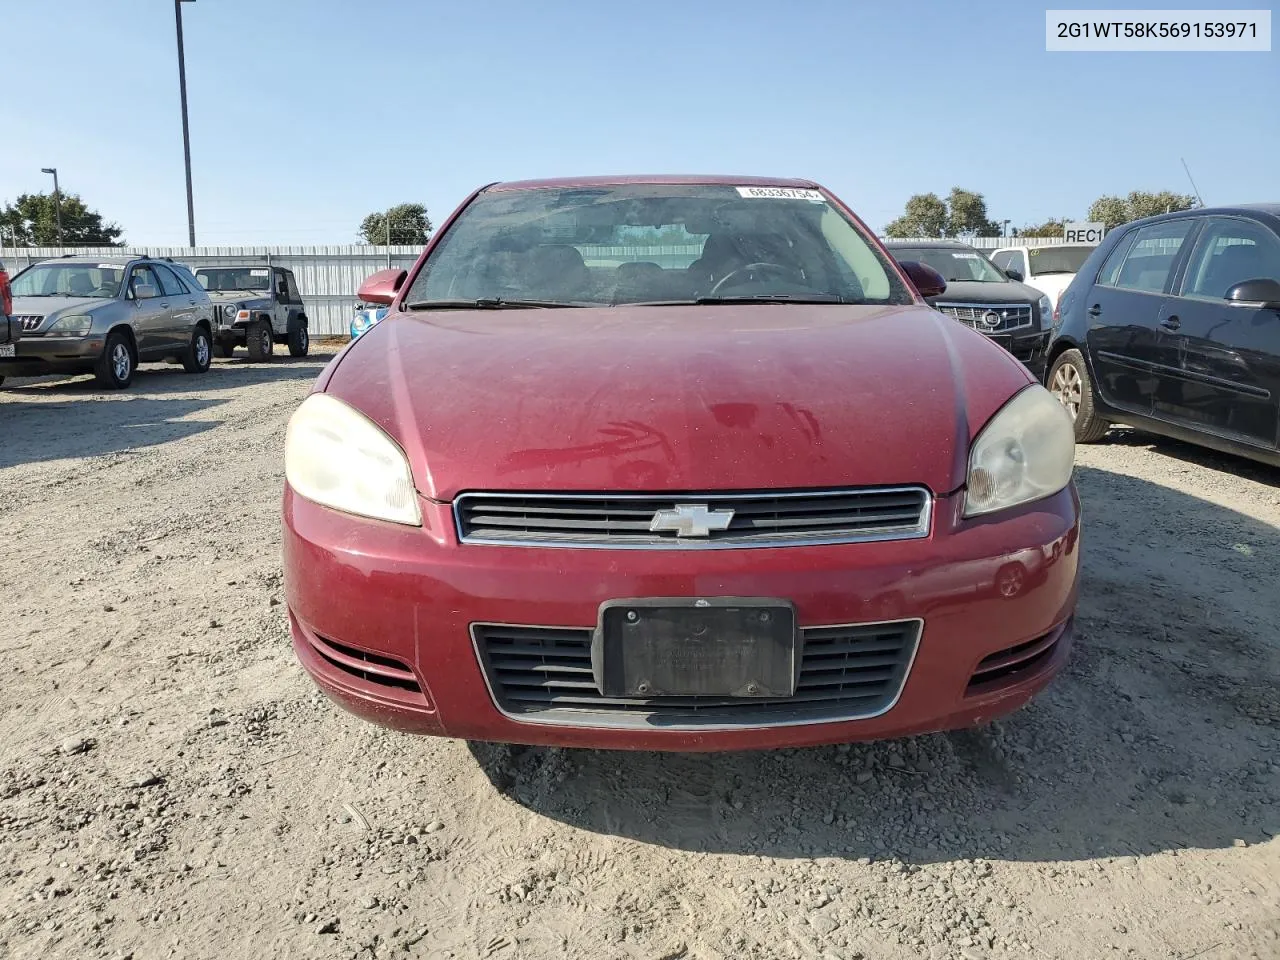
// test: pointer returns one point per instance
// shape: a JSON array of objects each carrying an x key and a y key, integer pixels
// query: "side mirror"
[
  {"x": 1262, "y": 292},
  {"x": 382, "y": 287},
  {"x": 144, "y": 291},
  {"x": 1014, "y": 274},
  {"x": 926, "y": 279}
]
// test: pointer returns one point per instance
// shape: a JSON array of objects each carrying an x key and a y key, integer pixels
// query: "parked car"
[
  {"x": 1048, "y": 269},
  {"x": 1173, "y": 325},
  {"x": 667, "y": 505},
  {"x": 366, "y": 316},
  {"x": 980, "y": 296},
  {"x": 257, "y": 307},
  {"x": 10, "y": 328},
  {"x": 106, "y": 315}
]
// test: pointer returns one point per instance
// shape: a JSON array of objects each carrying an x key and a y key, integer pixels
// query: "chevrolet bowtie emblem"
[{"x": 690, "y": 520}]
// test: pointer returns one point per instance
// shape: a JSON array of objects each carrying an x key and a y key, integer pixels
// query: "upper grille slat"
[
  {"x": 1010, "y": 316},
  {"x": 846, "y": 673},
  {"x": 759, "y": 519}
]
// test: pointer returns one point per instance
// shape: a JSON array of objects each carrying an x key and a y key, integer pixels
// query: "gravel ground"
[{"x": 172, "y": 786}]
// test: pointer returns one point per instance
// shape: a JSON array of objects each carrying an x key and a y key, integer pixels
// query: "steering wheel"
[{"x": 775, "y": 268}]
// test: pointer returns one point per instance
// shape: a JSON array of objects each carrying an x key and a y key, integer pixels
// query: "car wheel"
[
  {"x": 226, "y": 349},
  {"x": 260, "y": 341},
  {"x": 1069, "y": 381},
  {"x": 199, "y": 352},
  {"x": 114, "y": 369},
  {"x": 299, "y": 340}
]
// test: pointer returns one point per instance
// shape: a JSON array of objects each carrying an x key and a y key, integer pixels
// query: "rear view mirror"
[
  {"x": 382, "y": 287},
  {"x": 1261, "y": 292},
  {"x": 1015, "y": 275},
  {"x": 927, "y": 280}
]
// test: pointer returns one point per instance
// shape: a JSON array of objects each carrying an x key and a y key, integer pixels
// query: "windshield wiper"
[
  {"x": 486, "y": 303},
  {"x": 747, "y": 298}
]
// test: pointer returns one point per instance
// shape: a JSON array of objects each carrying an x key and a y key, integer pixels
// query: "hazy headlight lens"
[
  {"x": 73, "y": 326},
  {"x": 339, "y": 458},
  {"x": 1046, "y": 313},
  {"x": 1024, "y": 453}
]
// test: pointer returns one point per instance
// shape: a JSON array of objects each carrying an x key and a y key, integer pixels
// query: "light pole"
[
  {"x": 57, "y": 200},
  {"x": 1005, "y": 233},
  {"x": 186, "y": 133}
]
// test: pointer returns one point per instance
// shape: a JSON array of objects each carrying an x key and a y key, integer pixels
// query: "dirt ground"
[{"x": 172, "y": 786}]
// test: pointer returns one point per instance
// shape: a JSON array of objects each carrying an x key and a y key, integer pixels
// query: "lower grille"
[
  {"x": 543, "y": 674},
  {"x": 989, "y": 317},
  {"x": 1014, "y": 663},
  {"x": 373, "y": 668}
]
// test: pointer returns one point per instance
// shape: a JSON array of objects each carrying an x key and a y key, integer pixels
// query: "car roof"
[
  {"x": 664, "y": 179},
  {"x": 1265, "y": 211},
  {"x": 931, "y": 244},
  {"x": 85, "y": 258}
]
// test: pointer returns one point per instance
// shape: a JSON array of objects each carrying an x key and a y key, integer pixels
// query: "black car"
[
  {"x": 1173, "y": 325},
  {"x": 979, "y": 295}
]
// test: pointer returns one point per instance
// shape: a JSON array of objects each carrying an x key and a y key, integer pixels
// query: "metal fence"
[{"x": 328, "y": 277}]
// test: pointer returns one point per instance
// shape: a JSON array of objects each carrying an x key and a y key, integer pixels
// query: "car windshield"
[
  {"x": 956, "y": 264},
  {"x": 69, "y": 280},
  {"x": 234, "y": 278},
  {"x": 653, "y": 244},
  {"x": 1057, "y": 259}
]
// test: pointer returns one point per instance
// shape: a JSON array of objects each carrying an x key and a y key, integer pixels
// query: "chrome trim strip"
[
  {"x": 604, "y": 720},
  {"x": 996, "y": 307},
  {"x": 917, "y": 531}
]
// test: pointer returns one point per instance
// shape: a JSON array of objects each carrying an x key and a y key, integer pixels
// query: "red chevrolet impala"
[{"x": 675, "y": 463}]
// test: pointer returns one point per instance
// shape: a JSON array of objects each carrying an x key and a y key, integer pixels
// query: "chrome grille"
[
  {"x": 29, "y": 321},
  {"x": 759, "y": 519},
  {"x": 543, "y": 674},
  {"x": 989, "y": 317}
]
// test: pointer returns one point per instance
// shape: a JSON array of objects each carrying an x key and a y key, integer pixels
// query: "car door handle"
[
  {"x": 1094, "y": 311},
  {"x": 1171, "y": 323}
]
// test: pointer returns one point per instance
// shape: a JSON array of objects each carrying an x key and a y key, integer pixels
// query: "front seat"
[
  {"x": 556, "y": 271},
  {"x": 80, "y": 285}
]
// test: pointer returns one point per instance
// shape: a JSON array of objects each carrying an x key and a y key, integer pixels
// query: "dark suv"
[
  {"x": 1173, "y": 325},
  {"x": 981, "y": 296}
]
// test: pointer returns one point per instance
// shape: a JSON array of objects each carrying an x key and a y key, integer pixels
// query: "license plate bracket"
[
  {"x": 8, "y": 350},
  {"x": 729, "y": 647}
]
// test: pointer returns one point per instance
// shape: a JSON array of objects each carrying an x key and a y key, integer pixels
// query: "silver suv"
[
  {"x": 105, "y": 315},
  {"x": 256, "y": 307}
]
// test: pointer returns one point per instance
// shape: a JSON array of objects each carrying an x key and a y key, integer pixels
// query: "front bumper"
[
  {"x": 381, "y": 618},
  {"x": 39, "y": 355}
]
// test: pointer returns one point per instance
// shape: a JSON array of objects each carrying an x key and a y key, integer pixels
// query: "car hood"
[
  {"x": 646, "y": 399},
  {"x": 972, "y": 291},
  {"x": 236, "y": 296},
  {"x": 46, "y": 306},
  {"x": 1052, "y": 284}
]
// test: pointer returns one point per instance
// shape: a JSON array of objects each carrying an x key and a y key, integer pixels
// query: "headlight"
[
  {"x": 1024, "y": 453},
  {"x": 74, "y": 326},
  {"x": 339, "y": 458},
  {"x": 1046, "y": 313}
]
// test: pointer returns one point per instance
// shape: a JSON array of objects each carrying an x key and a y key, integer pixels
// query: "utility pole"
[
  {"x": 186, "y": 133},
  {"x": 57, "y": 200}
]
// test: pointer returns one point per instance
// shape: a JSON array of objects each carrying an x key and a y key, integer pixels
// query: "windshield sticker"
[
  {"x": 964, "y": 256},
  {"x": 781, "y": 193},
  {"x": 259, "y": 273}
]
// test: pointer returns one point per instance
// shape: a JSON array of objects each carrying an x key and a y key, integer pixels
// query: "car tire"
[
  {"x": 114, "y": 368},
  {"x": 199, "y": 353},
  {"x": 299, "y": 340},
  {"x": 1070, "y": 383},
  {"x": 226, "y": 349},
  {"x": 260, "y": 340}
]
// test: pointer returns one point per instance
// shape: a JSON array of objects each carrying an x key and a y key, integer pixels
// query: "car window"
[
  {"x": 294, "y": 295},
  {"x": 69, "y": 280},
  {"x": 140, "y": 276},
  {"x": 1057, "y": 259},
  {"x": 170, "y": 285},
  {"x": 956, "y": 264},
  {"x": 1004, "y": 259},
  {"x": 655, "y": 243},
  {"x": 1151, "y": 257},
  {"x": 1231, "y": 251}
]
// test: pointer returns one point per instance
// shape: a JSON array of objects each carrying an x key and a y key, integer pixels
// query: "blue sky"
[{"x": 308, "y": 114}]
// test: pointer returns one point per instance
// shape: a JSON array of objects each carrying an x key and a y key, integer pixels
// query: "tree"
[
  {"x": 1113, "y": 211},
  {"x": 410, "y": 226},
  {"x": 32, "y": 221},
  {"x": 928, "y": 215},
  {"x": 925, "y": 216},
  {"x": 1050, "y": 228},
  {"x": 967, "y": 214}
]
